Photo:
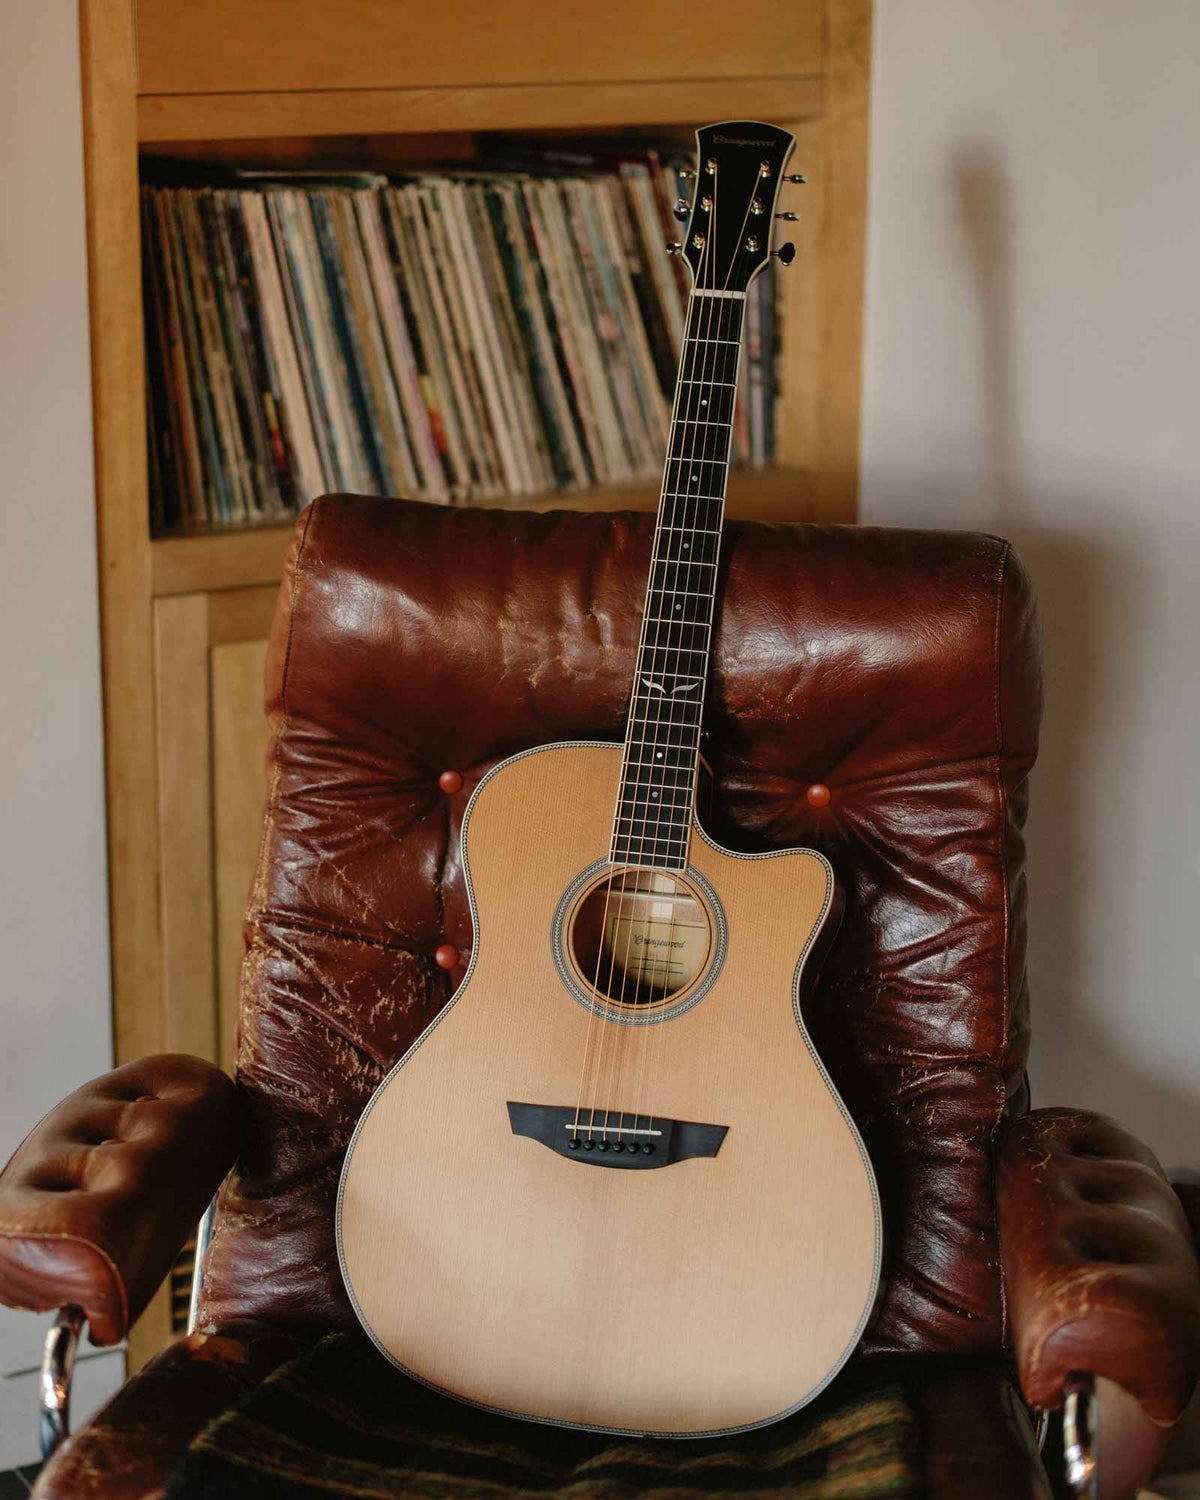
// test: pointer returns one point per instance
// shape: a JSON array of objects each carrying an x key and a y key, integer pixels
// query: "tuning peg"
[
  {"x": 682, "y": 209},
  {"x": 786, "y": 253},
  {"x": 687, "y": 173},
  {"x": 791, "y": 218},
  {"x": 674, "y": 247},
  {"x": 797, "y": 178}
]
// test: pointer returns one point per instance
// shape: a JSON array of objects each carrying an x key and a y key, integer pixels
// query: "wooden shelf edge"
[
  {"x": 242, "y": 559},
  {"x": 222, "y": 117}
]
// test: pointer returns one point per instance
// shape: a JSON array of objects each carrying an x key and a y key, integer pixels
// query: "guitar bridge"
[{"x": 608, "y": 1139}]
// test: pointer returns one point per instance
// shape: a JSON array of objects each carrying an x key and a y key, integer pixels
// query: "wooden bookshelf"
[{"x": 185, "y": 619}]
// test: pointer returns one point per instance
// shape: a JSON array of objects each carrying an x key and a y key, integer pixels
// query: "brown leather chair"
[{"x": 899, "y": 669}]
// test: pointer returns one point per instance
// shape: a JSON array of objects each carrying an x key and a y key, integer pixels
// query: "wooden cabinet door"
[{"x": 210, "y": 655}]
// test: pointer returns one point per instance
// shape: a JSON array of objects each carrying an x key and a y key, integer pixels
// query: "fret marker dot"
[
  {"x": 658, "y": 755},
  {"x": 695, "y": 477},
  {"x": 703, "y": 402},
  {"x": 678, "y": 607}
]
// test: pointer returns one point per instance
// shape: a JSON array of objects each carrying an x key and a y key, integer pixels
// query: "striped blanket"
[{"x": 340, "y": 1421}]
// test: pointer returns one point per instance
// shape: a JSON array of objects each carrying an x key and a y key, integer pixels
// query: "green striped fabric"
[{"x": 341, "y": 1421}]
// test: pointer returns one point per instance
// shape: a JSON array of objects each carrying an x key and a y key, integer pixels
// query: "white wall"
[
  {"x": 54, "y": 1006},
  {"x": 1033, "y": 368}
]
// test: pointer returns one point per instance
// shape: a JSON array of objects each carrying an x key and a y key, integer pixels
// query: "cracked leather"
[
  {"x": 898, "y": 668},
  {"x": 127, "y": 1451},
  {"x": 97, "y": 1201},
  {"x": 1099, "y": 1261}
]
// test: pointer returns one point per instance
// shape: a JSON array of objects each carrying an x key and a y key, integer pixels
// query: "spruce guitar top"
[{"x": 612, "y": 1185}]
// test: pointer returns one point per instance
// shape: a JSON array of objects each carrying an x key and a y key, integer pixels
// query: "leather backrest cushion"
[{"x": 898, "y": 668}]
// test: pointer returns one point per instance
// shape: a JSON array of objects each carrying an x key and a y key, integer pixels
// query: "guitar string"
[
  {"x": 722, "y": 364},
  {"x": 676, "y": 494},
  {"x": 707, "y": 365},
  {"x": 692, "y": 508},
  {"x": 676, "y": 490},
  {"x": 668, "y": 517},
  {"x": 595, "y": 997},
  {"x": 696, "y": 365}
]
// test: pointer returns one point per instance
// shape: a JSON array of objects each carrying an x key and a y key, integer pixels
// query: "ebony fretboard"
[{"x": 662, "y": 746}]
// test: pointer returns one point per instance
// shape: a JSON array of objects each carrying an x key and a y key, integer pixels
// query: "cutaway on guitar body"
[
  {"x": 633, "y": 1002},
  {"x": 716, "y": 1294}
]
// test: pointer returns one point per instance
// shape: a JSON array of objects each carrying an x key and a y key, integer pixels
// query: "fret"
[
  {"x": 677, "y": 634},
  {"x": 690, "y": 611},
  {"x": 698, "y": 512},
  {"x": 672, "y": 837},
  {"x": 703, "y": 479},
  {"x": 654, "y": 774},
  {"x": 656, "y": 796},
  {"x": 677, "y": 734},
  {"x": 639, "y": 859},
  {"x": 651, "y": 703},
  {"x": 655, "y": 804},
  {"x": 660, "y": 659},
  {"x": 705, "y": 401},
  {"x": 709, "y": 364},
  {"x": 688, "y": 547},
  {"x": 690, "y": 594},
  {"x": 672, "y": 576},
  {"x": 656, "y": 846},
  {"x": 660, "y": 757}
]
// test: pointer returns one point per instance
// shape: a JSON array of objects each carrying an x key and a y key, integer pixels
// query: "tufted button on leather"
[
  {"x": 446, "y": 956},
  {"x": 450, "y": 782},
  {"x": 818, "y": 794}
]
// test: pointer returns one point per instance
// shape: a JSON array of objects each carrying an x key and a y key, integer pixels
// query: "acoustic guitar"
[{"x": 612, "y": 1185}]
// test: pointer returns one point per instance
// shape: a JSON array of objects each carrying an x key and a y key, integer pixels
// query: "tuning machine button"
[
  {"x": 796, "y": 177},
  {"x": 674, "y": 247},
  {"x": 786, "y": 253},
  {"x": 682, "y": 209},
  {"x": 791, "y": 218}
]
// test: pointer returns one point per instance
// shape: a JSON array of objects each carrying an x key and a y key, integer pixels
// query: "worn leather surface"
[
  {"x": 98, "y": 1199},
  {"x": 973, "y": 1435},
  {"x": 899, "y": 668},
  {"x": 1099, "y": 1261},
  {"x": 128, "y": 1449}
]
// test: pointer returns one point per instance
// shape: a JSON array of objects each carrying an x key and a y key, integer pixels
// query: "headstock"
[{"x": 739, "y": 170}]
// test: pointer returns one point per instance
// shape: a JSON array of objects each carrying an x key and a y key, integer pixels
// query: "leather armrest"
[
  {"x": 1100, "y": 1268},
  {"x": 99, "y": 1198}
]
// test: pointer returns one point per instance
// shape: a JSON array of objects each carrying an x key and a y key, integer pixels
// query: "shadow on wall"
[{"x": 1093, "y": 586}]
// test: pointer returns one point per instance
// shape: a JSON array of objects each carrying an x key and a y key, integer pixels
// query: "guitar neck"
[{"x": 662, "y": 744}]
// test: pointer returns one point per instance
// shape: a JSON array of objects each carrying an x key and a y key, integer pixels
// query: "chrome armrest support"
[
  {"x": 58, "y": 1365},
  {"x": 1072, "y": 1435},
  {"x": 203, "y": 1238},
  {"x": 1080, "y": 1436}
]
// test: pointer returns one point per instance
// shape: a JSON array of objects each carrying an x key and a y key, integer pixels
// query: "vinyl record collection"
[{"x": 458, "y": 336}]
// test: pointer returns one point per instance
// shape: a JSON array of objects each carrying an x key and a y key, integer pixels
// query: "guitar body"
[{"x": 688, "y": 1294}]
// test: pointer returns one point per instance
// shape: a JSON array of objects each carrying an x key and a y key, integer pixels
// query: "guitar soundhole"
[{"x": 640, "y": 938}]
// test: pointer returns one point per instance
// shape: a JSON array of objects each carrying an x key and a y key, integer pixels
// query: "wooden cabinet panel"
[
  {"x": 210, "y": 655},
  {"x": 228, "y": 46},
  {"x": 240, "y": 737}
]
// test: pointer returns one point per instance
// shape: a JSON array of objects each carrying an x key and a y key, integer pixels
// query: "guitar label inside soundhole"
[{"x": 640, "y": 938}]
